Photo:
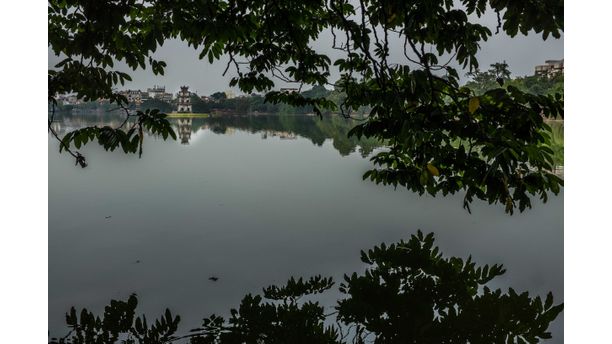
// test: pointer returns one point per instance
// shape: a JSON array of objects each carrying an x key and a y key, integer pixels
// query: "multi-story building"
[
  {"x": 159, "y": 93},
  {"x": 550, "y": 69},
  {"x": 184, "y": 100},
  {"x": 167, "y": 97},
  {"x": 156, "y": 92},
  {"x": 133, "y": 96}
]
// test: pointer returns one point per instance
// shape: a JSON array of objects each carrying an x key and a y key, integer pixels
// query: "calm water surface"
[{"x": 255, "y": 200}]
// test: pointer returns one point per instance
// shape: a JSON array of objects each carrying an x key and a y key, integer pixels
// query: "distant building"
[
  {"x": 159, "y": 93},
  {"x": 289, "y": 89},
  {"x": 550, "y": 69},
  {"x": 156, "y": 92},
  {"x": 167, "y": 97},
  {"x": 229, "y": 94},
  {"x": 184, "y": 100},
  {"x": 133, "y": 96}
]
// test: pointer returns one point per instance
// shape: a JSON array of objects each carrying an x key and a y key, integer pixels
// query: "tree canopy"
[
  {"x": 482, "y": 82},
  {"x": 409, "y": 293},
  {"x": 441, "y": 137}
]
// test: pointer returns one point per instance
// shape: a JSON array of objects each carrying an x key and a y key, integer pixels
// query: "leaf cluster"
[
  {"x": 118, "y": 324},
  {"x": 130, "y": 140}
]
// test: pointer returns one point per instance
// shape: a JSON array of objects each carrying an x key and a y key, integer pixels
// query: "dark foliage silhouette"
[{"x": 409, "y": 293}]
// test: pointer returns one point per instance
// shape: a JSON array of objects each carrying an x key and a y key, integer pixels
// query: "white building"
[
  {"x": 156, "y": 92},
  {"x": 133, "y": 96},
  {"x": 550, "y": 69}
]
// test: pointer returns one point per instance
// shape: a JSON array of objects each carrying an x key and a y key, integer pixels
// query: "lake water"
[{"x": 255, "y": 200}]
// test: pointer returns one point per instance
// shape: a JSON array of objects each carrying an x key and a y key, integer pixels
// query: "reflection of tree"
[
  {"x": 66, "y": 122},
  {"x": 410, "y": 293},
  {"x": 316, "y": 129}
]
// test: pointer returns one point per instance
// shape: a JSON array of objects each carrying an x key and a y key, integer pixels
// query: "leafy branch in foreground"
[
  {"x": 409, "y": 293},
  {"x": 444, "y": 138},
  {"x": 130, "y": 140}
]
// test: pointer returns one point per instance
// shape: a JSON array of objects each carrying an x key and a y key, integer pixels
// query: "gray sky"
[{"x": 522, "y": 53}]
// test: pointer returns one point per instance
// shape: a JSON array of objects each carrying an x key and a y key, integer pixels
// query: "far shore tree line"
[{"x": 218, "y": 102}]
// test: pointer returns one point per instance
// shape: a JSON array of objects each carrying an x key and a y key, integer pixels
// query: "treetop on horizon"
[{"x": 442, "y": 137}]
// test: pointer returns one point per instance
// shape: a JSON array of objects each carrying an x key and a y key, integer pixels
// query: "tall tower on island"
[{"x": 184, "y": 101}]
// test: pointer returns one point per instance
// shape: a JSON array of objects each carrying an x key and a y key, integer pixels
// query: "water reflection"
[
  {"x": 288, "y": 127},
  {"x": 254, "y": 212},
  {"x": 292, "y": 127},
  {"x": 184, "y": 127},
  {"x": 394, "y": 301}
]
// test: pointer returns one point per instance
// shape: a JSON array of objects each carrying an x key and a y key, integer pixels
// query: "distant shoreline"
[{"x": 187, "y": 115}]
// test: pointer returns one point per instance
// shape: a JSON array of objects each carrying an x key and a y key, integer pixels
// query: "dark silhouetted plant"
[{"x": 409, "y": 293}]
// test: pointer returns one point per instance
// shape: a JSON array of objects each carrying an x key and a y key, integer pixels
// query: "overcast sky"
[{"x": 522, "y": 53}]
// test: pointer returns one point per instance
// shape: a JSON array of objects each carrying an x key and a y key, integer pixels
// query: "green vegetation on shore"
[
  {"x": 187, "y": 115},
  {"x": 219, "y": 103},
  {"x": 481, "y": 82}
]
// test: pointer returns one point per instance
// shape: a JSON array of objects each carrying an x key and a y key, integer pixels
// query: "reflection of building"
[
  {"x": 550, "y": 69},
  {"x": 68, "y": 100},
  {"x": 219, "y": 128},
  {"x": 184, "y": 101},
  {"x": 283, "y": 135},
  {"x": 184, "y": 130}
]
